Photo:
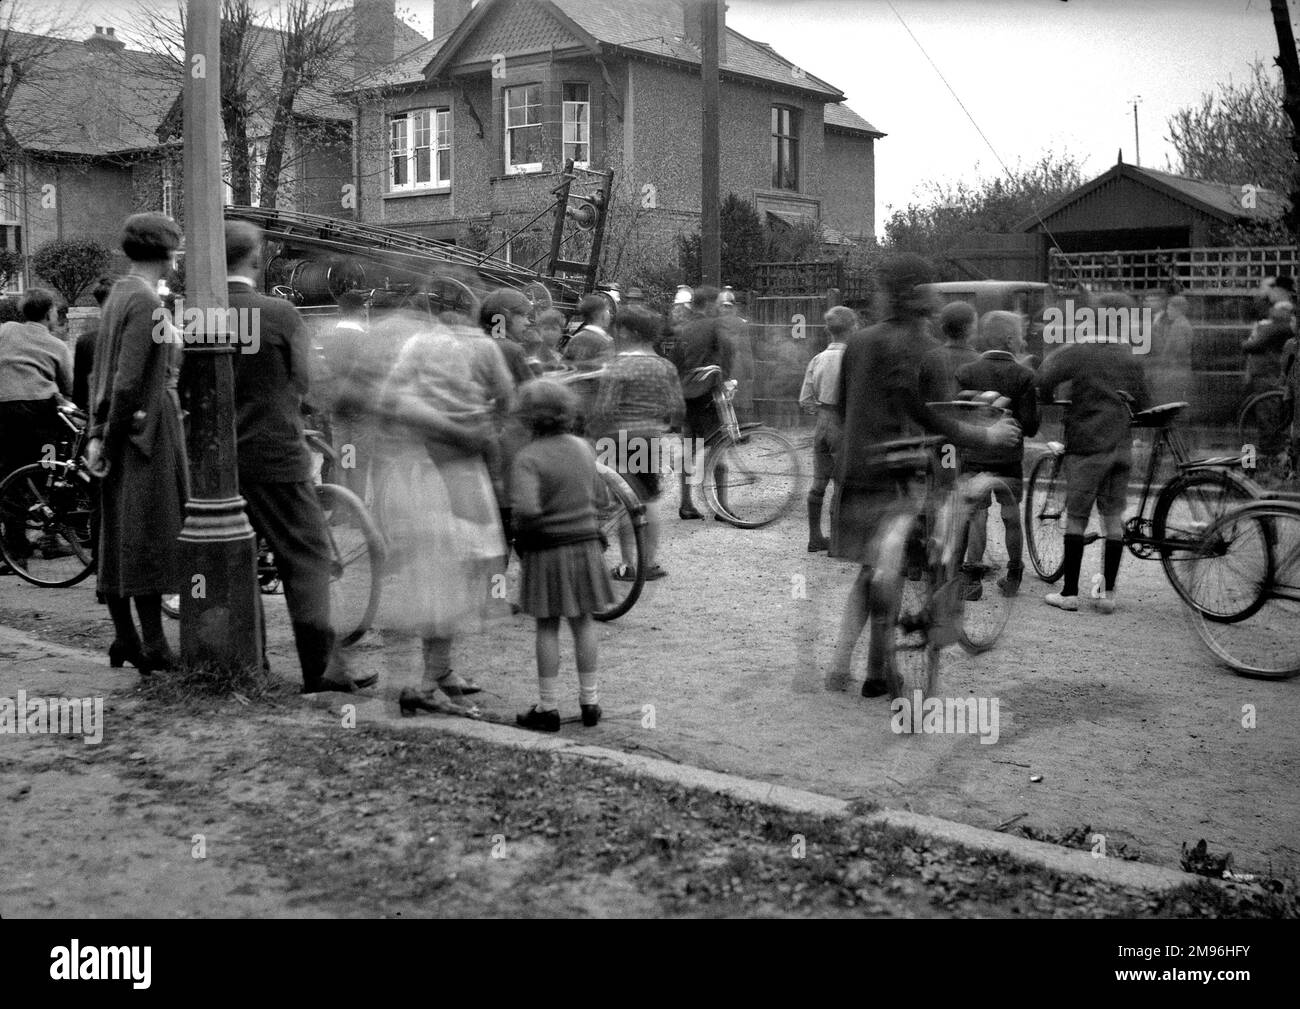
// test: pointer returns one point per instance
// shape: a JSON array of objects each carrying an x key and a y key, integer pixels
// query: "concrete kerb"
[
  {"x": 1067, "y": 861},
  {"x": 379, "y": 712}
]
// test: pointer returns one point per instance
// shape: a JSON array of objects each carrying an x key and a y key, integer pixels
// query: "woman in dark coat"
[{"x": 137, "y": 447}]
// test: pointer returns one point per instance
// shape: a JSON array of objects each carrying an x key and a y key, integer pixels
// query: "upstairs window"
[
  {"x": 785, "y": 147},
  {"x": 576, "y": 116},
  {"x": 419, "y": 150},
  {"x": 523, "y": 106}
]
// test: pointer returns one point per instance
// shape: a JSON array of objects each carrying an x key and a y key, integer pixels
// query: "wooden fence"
[{"x": 1229, "y": 270}]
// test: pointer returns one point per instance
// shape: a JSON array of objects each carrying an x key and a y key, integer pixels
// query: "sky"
[{"x": 1035, "y": 75}]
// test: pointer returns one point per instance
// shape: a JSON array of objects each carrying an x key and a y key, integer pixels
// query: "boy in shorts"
[
  {"x": 997, "y": 370},
  {"x": 1105, "y": 379}
]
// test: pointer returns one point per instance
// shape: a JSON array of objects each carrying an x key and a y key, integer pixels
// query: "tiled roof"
[
  {"x": 406, "y": 69},
  {"x": 1220, "y": 200},
  {"x": 1222, "y": 197},
  {"x": 655, "y": 27},
  {"x": 647, "y": 27},
  {"x": 844, "y": 118},
  {"x": 90, "y": 101}
]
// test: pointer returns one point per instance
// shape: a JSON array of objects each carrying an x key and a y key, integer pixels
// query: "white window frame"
[
  {"x": 407, "y": 126},
  {"x": 524, "y": 167},
  {"x": 582, "y": 130}
]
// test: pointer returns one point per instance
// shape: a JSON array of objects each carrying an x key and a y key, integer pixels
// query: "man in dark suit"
[{"x": 271, "y": 369}]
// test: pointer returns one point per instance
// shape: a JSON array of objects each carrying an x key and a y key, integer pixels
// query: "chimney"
[
  {"x": 105, "y": 39},
  {"x": 691, "y": 23},
  {"x": 448, "y": 14},
  {"x": 374, "y": 34}
]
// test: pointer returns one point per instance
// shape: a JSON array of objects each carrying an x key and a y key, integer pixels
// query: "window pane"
[
  {"x": 776, "y": 115},
  {"x": 444, "y": 166},
  {"x": 526, "y": 145},
  {"x": 575, "y": 93},
  {"x": 776, "y": 164},
  {"x": 443, "y": 128},
  {"x": 422, "y": 165}
]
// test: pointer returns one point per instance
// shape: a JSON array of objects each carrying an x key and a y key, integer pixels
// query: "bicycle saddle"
[{"x": 1158, "y": 416}]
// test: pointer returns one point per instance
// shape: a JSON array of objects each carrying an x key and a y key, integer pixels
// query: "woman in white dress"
[{"x": 437, "y": 505}]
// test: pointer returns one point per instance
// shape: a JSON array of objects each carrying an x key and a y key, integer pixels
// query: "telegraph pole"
[
  {"x": 220, "y": 619},
  {"x": 712, "y": 22},
  {"x": 1137, "y": 142}
]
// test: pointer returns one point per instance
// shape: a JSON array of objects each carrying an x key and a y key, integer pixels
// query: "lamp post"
[
  {"x": 712, "y": 19},
  {"x": 220, "y": 619}
]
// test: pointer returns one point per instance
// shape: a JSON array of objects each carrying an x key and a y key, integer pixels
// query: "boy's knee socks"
[
  {"x": 1110, "y": 562},
  {"x": 1073, "y": 561}
]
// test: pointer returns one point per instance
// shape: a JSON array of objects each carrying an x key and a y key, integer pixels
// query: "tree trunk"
[
  {"x": 1290, "y": 65},
  {"x": 275, "y": 145}
]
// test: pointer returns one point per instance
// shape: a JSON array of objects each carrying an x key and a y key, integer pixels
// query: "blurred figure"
[
  {"x": 1263, "y": 349},
  {"x": 137, "y": 447},
  {"x": 1171, "y": 355},
  {"x": 550, "y": 327},
  {"x": 506, "y": 316},
  {"x": 639, "y": 400},
  {"x": 35, "y": 370},
  {"x": 554, "y": 503},
  {"x": 939, "y": 365},
  {"x": 353, "y": 383},
  {"x": 591, "y": 344},
  {"x": 820, "y": 395},
  {"x": 438, "y": 508},
  {"x": 996, "y": 370},
  {"x": 83, "y": 352},
  {"x": 704, "y": 341}
]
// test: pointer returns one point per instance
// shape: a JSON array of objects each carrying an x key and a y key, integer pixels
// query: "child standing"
[
  {"x": 996, "y": 370},
  {"x": 553, "y": 493}
]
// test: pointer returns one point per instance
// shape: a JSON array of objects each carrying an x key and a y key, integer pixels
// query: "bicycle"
[
  {"x": 357, "y": 554},
  {"x": 1264, "y": 421},
  {"x": 46, "y": 509},
  {"x": 920, "y": 584},
  {"x": 751, "y": 474},
  {"x": 1180, "y": 511},
  {"x": 1260, "y": 639}
]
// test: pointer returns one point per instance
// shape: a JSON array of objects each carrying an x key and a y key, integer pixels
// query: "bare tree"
[{"x": 311, "y": 46}]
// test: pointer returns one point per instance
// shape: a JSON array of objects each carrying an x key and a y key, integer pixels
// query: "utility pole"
[
  {"x": 712, "y": 24},
  {"x": 220, "y": 618},
  {"x": 1290, "y": 65},
  {"x": 1137, "y": 142}
]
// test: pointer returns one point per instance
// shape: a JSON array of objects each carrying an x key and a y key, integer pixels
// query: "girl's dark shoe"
[
  {"x": 411, "y": 701},
  {"x": 590, "y": 714},
  {"x": 654, "y": 572},
  {"x": 542, "y": 721},
  {"x": 120, "y": 652},
  {"x": 687, "y": 514},
  {"x": 874, "y": 688}
]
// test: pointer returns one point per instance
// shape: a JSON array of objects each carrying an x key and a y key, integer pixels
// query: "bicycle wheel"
[
  {"x": 45, "y": 523},
  {"x": 987, "y": 597},
  {"x": 1265, "y": 555},
  {"x": 1264, "y": 423},
  {"x": 752, "y": 481},
  {"x": 1044, "y": 525},
  {"x": 356, "y": 562},
  {"x": 1185, "y": 509},
  {"x": 907, "y": 606},
  {"x": 622, "y": 524}
]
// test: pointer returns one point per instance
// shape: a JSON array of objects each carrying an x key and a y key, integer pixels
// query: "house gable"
[{"x": 506, "y": 28}]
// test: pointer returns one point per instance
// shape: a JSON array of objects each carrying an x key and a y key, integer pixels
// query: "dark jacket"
[
  {"x": 998, "y": 371},
  {"x": 1097, "y": 419},
  {"x": 270, "y": 384},
  {"x": 704, "y": 341}
]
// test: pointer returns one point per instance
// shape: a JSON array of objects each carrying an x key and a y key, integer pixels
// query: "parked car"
[{"x": 1025, "y": 297}]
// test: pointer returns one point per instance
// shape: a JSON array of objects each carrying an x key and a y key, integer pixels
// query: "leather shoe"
[
  {"x": 326, "y": 685},
  {"x": 687, "y": 514}
]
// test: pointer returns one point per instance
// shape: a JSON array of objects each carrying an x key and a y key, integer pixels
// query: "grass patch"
[{"x": 196, "y": 682}]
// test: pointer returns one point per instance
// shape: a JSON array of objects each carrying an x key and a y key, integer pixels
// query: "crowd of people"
[{"x": 473, "y": 436}]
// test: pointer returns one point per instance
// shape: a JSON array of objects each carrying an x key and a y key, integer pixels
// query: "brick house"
[
  {"x": 93, "y": 133},
  {"x": 463, "y": 135}
]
